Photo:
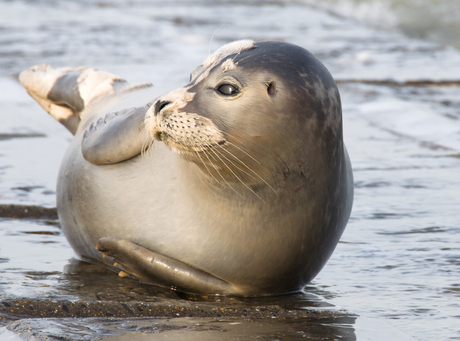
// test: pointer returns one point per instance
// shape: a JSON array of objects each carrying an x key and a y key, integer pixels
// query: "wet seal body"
[{"x": 238, "y": 183}]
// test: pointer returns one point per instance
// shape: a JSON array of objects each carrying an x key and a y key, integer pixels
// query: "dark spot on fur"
[{"x": 271, "y": 89}]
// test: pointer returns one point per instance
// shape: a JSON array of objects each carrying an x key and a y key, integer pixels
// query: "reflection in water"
[
  {"x": 90, "y": 281},
  {"x": 85, "y": 289},
  {"x": 185, "y": 329}
]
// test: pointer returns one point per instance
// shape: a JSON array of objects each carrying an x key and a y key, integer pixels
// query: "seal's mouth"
[
  {"x": 181, "y": 148},
  {"x": 162, "y": 136},
  {"x": 157, "y": 135}
]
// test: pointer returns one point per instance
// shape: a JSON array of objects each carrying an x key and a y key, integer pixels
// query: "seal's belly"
[
  {"x": 128, "y": 200},
  {"x": 147, "y": 201}
]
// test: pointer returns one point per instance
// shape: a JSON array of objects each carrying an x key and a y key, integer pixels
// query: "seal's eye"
[{"x": 227, "y": 90}]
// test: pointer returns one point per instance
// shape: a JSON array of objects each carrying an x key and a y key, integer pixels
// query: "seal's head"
[{"x": 251, "y": 111}]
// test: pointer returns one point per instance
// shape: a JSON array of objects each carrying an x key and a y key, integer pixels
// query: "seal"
[{"x": 238, "y": 183}]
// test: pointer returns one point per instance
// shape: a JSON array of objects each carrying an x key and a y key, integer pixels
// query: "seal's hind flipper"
[
  {"x": 151, "y": 267},
  {"x": 66, "y": 93},
  {"x": 116, "y": 137}
]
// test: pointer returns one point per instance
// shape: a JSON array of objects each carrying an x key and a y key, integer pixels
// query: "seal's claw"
[{"x": 101, "y": 250}]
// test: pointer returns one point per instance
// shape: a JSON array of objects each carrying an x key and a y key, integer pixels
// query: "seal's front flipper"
[
  {"x": 66, "y": 93},
  {"x": 116, "y": 137},
  {"x": 151, "y": 267}
]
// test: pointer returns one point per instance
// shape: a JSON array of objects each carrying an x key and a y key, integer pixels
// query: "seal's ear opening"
[{"x": 271, "y": 89}]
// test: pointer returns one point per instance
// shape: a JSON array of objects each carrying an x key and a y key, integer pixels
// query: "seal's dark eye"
[{"x": 227, "y": 90}]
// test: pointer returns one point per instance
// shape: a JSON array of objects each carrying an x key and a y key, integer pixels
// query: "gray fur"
[
  {"x": 116, "y": 137},
  {"x": 65, "y": 92},
  {"x": 254, "y": 206}
]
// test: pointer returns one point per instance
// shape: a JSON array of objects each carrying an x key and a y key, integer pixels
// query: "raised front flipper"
[
  {"x": 151, "y": 267},
  {"x": 116, "y": 137}
]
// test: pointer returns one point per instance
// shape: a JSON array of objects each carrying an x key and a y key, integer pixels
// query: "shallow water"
[
  {"x": 434, "y": 20},
  {"x": 397, "y": 265}
]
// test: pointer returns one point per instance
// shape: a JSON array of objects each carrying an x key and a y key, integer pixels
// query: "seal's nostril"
[{"x": 159, "y": 105}]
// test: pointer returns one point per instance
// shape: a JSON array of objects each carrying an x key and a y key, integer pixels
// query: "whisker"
[
  {"x": 210, "y": 41},
  {"x": 145, "y": 150},
  {"x": 203, "y": 149},
  {"x": 147, "y": 142},
  {"x": 236, "y": 176},
  {"x": 233, "y": 60},
  {"x": 249, "y": 168},
  {"x": 204, "y": 164},
  {"x": 226, "y": 158},
  {"x": 242, "y": 150},
  {"x": 242, "y": 58},
  {"x": 147, "y": 146}
]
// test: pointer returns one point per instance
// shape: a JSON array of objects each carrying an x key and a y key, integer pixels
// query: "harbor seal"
[{"x": 238, "y": 183}]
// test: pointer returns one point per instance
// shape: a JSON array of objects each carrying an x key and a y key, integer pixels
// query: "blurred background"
[{"x": 432, "y": 20}]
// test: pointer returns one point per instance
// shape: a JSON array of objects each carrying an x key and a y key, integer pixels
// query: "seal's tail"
[{"x": 67, "y": 94}]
